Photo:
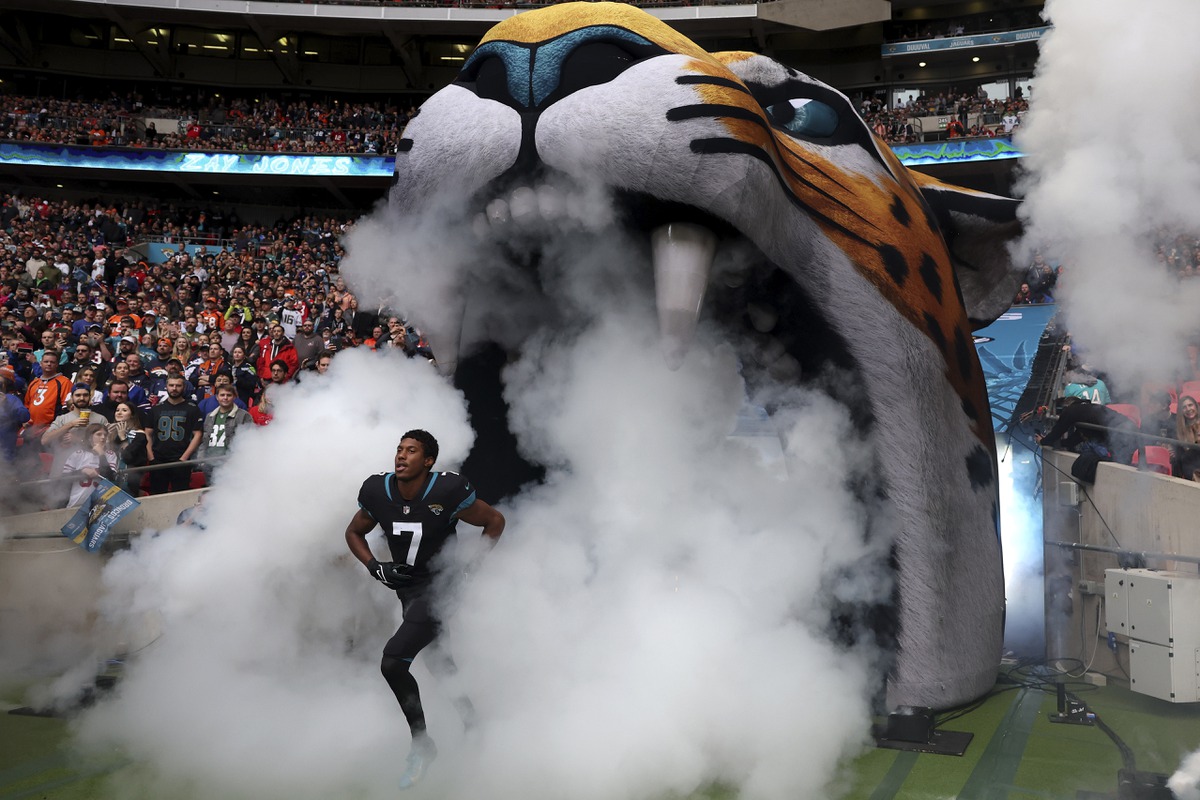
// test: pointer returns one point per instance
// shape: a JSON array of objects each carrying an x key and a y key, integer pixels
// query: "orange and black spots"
[
  {"x": 894, "y": 263},
  {"x": 930, "y": 275},
  {"x": 880, "y": 221},
  {"x": 979, "y": 467}
]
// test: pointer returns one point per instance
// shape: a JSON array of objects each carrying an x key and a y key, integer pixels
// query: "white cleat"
[{"x": 420, "y": 756}]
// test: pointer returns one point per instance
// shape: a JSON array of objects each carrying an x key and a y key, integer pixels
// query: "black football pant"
[{"x": 417, "y": 631}]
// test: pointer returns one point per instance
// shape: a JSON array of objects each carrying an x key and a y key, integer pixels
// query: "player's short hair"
[{"x": 429, "y": 444}]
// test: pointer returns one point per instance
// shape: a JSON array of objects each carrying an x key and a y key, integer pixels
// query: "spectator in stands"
[
  {"x": 137, "y": 395},
  {"x": 128, "y": 437},
  {"x": 124, "y": 345},
  {"x": 118, "y": 392},
  {"x": 201, "y": 373},
  {"x": 220, "y": 426},
  {"x": 173, "y": 429},
  {"x": 264, "y": 410},
  {"x": 230, "y": 333},
  {"x": 13, "y": 415},
  {"x": 164, "y": 349},
  {"x": 1158, "y": 419},
  {"x": 159, "y": 388},
  {"x": 307, "y": 343},
  {"x": 245, "y": 376},
  {"x": 87, "y": 377},
  {"x": 209, "y": 403},
  {"x": 246, "y": 339},
  {"x": 1024, "y": 296},
  {"x": 45, "y": 395},
  {"x": 324, "y": 361},
  {"x": 1185, "y": 459},
  {"x": 82, "y": 357},
  {"x": 66, "y": 432},
  {"x": 276, "y": 348},
  {"x": 1115, "y": 438},
  {"x": 92, "y": 459}
]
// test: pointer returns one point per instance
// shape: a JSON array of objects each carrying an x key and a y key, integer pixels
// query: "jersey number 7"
[{"x": 414, "y": 529}]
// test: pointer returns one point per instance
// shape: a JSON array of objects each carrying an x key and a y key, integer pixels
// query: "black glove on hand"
[{"x": 391, "y": 574}]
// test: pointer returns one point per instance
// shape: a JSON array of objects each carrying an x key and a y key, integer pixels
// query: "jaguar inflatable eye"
[{"x": 803, "y": 116}]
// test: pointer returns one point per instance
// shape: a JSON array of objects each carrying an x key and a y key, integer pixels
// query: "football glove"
[{"x": 391, "y": 574}]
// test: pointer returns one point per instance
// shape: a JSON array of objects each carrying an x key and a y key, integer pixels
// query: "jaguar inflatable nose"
[{"x": 531, "y": 76}]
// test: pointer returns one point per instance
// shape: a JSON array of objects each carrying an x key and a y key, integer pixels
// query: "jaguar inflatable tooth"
[{"x": 858, "y": 264}]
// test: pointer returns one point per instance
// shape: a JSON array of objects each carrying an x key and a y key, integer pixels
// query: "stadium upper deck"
[{"x": 385, "y": 46}]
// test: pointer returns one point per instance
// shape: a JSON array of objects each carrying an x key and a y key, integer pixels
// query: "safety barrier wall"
[
  {"x": 51, "y": 590},
  {"x": 1125, "y": 509}
]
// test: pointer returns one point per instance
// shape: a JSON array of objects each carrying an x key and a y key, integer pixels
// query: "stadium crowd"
[
  {"x": 95, "y": 337},
  {"x": 203, "y": 119},
  {"x": 208, "y": 120},
  {"x": 900, "y": 30},
  {"x": 1159, "y": 419},
  {"x": 970, "y": 115}
]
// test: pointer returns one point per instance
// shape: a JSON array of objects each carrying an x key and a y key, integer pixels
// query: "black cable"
[
  {"x": 1127, "y": 757},
  {"x": 1019, "y": 678}
]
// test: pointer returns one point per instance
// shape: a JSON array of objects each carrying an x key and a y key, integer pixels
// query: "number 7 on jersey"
[{"x": 414, "y": 530}]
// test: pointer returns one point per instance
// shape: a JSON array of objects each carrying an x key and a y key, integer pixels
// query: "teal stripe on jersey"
[
  {"x": 433, "y": 476},
  {"x": 465, "y": 503},
  {"x": 387, "y": 486}
]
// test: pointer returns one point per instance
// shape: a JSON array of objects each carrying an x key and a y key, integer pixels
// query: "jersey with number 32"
[{"x": 416, "y": 530}]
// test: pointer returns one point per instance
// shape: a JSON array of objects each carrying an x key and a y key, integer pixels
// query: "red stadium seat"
[
  {"x": 198, "y": 481},
  {"x": 1129, "y": 410},
  {"x": 1158, "y": 459},
  {"x": 47, "y": 460},
  {"x": 1190, "y": 388}
]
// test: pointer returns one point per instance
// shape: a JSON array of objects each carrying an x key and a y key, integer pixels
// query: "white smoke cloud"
[
  {"x": 1112, "y": 158},
  {"x": 654, "y": 619},
  {"x": 264, "y": 680},
  {"x": 1185, "y": 783}
]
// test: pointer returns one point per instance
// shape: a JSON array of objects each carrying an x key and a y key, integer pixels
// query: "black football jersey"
[{"x": 416, "y": 530}]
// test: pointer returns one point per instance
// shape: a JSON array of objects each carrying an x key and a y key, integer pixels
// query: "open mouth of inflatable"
[{"x": 705, "y": 272}]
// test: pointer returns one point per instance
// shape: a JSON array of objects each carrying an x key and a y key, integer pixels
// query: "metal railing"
[
  {"x": 1144, "y": 555},
  {"x": 125, "y": 472}
]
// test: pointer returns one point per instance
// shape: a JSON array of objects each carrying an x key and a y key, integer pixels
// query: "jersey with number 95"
[{"x": 416, "y": 530}]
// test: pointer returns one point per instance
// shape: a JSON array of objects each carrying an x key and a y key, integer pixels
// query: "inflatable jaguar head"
[{"x": 856, "y": 263}]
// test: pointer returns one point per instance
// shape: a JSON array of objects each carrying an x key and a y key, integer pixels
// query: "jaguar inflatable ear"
[
  {"x": 978, "y": 228},
  {"x": 853, "y": 264}
]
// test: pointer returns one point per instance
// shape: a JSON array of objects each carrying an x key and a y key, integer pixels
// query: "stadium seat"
[
  {"x": 198, "y": 481},
  {"x": 1158, "y": 459},
  {"x": 1191, "y": 388},
  {"x": 47, "y": 460},
  {"x": 1129, "y": 410}
]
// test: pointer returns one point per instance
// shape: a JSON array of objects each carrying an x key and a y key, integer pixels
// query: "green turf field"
[{"x": 1016, "y": 752}]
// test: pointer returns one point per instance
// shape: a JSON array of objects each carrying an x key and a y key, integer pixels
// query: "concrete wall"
[
  {"x": 50, "y": 588},
  {"x": 824, "y": 15},
  {"x": 1124, "y": 509}
]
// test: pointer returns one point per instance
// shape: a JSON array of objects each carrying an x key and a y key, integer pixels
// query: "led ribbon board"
[{"x": 343, "y": 165}]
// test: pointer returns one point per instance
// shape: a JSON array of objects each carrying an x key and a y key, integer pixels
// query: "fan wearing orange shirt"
[
  {"x": 47, "y": 392},
  {"x": 213, "y": 319}
]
